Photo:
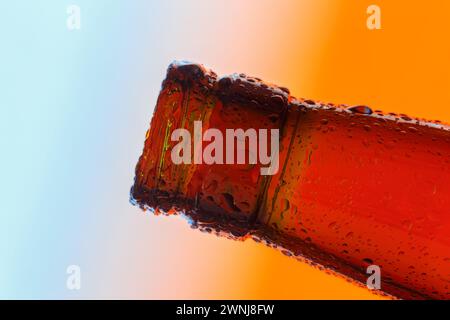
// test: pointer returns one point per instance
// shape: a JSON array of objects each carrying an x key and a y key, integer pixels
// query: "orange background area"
[{"x": 403, "y": 68}]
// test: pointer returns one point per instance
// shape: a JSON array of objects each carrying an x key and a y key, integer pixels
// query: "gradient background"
[{"x": 75, "y": 106}]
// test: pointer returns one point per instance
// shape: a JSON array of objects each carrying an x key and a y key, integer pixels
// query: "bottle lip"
[{"x": 231, "y": 88}]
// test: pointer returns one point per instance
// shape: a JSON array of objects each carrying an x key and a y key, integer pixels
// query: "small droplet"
[
  {"x": 286, "y": 204},
  {"x": 349, "y": 235},
  {"x": 212, "y": 186},
  {"x": 277, "y": 100},
  {"x": 245, "y": 205},
  {"x": 224, "y": 82},
  {"x": 273, "y": 118},
  {"x": 230, "y": 201},
  {"x": 284, "y": 89}
]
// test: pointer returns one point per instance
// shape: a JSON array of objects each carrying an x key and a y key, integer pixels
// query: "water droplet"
[
  {"x": 332, "y": 225},
  {"x": 230, "y": 201},
  {"x": 212, "y": 186},
  {"x": 286, "y": 204},
  {"x": 360, "y": 109},
  {"x": 245, "y": 205},
  {"x": 284, "y": 89},
  {"x": 273, "y": 118},
  {"x": 224, "y": 82}
]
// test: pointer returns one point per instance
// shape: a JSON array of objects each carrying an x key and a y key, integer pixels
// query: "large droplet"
[
  {"x": 360, "y": 109},
  {"x": 230, "y": 201}
]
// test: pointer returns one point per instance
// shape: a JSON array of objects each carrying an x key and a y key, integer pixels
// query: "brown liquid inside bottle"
[{"x": 354, "y": 187}]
